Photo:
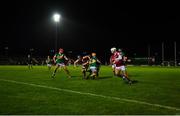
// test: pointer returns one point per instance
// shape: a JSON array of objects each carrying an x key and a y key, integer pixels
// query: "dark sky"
[{"x": 89, "y": 26}]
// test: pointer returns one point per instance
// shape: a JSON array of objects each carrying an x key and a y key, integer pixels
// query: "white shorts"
[
  {"x": 122, "y": 68},
  {"x": 60, "y": 64},
  {"x": 93, "y": 68},
  {"x": 49, "y": 65}
]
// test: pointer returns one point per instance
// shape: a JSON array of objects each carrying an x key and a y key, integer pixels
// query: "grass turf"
[{"x": 155, "y": 85}]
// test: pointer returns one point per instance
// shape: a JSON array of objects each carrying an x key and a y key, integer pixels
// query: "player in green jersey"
[
  {"x": 94, "y": 65},
  {"x": 59, "y": 59}
]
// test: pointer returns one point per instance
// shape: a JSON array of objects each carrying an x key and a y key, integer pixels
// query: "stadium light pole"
[{"x": 56, "y": 18}]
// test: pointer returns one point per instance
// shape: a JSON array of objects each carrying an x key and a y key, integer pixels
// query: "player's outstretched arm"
[
  {"x": 65, "y": 58},
  {"x": 54, "y": 58},
  {"x": 75, "y": 63},
  {"x": 98, "y": 61}
]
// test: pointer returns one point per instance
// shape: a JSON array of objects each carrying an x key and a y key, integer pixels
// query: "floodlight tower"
[{"x": 56, "y": 18}]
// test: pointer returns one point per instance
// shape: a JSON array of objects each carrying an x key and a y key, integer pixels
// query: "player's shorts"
[
  {"x": 93, "y": 68},
  {"x": 61, "y": 64},
  {"x": 49, "y": 65},
  {"x": 122, "y": 68}
]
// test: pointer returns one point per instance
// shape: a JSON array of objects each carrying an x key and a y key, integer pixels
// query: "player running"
[
  {"x": 94, "y": 64},
  {"x": 120, "y": 67},
  {"x": 49, "y": 62},
  {"x": 85, "y": 64},
  {"x": 59, "y": 59},
  {"x": 124, "y": 60},
  {"x": 112, "y": 59}
]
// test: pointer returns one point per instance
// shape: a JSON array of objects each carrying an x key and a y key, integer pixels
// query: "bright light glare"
[{"x": 56, "y": 17}]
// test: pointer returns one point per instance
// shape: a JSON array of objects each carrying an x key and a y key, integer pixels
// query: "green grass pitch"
[{"x": 23, "y": 91}]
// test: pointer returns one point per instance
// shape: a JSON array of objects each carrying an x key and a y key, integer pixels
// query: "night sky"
[{"x": 88, "y": 26}]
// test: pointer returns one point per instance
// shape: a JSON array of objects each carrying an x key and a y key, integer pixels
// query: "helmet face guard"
[
  {"x": 113, "y": 50},
  {"x": 61, "y": 50}
]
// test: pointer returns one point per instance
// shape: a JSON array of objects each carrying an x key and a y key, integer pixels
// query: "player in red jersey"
[
  {"x": 112, "y": 59},
  {"x": 119, "y": 65},
  {"x": 84, "y": 61}
]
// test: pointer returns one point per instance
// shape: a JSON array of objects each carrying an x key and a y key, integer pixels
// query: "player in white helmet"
[
  {"x": 120, "y": 69},
  {"x": 112, "y": 59}
]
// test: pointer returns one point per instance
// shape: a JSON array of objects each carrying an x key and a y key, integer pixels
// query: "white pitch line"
[{"x": 96, "y": 95}]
